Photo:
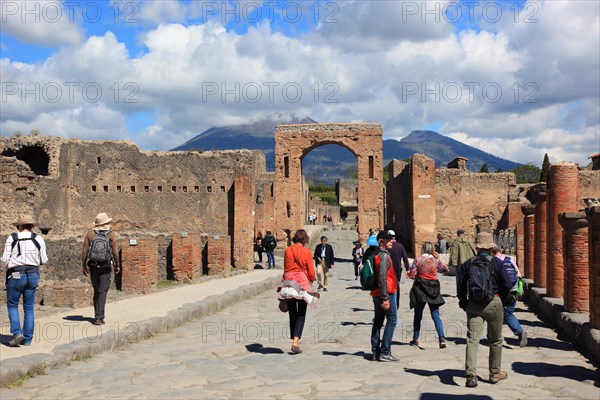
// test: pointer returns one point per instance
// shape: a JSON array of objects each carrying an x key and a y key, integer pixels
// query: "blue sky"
[{"x": 515, "y": 78}]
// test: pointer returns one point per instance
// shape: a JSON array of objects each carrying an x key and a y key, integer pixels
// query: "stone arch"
[{"x": 293, "y": 142}]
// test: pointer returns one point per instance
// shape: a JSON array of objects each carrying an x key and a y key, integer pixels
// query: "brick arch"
[{"x": 293, "y": 142}]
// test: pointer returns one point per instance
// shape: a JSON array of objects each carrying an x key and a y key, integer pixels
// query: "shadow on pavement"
[
  {"x": 259, "y": 348},
  {"x": 347, "y": 323},
  {"x": 79, "y": 318},
  {"x": 356, "y": 309},
  {"x": 354, "y": 288},
  {"x": 4, "y": 339},
  {"x": 547, "y": 370},
  {"x": 343, "y": 353},
  {"x": 446, "y": 375},
  {"x": 444, "y": 396}
]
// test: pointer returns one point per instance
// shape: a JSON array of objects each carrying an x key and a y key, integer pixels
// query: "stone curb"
[
  {"x": 35, "y": 364},
  {"x": 575, "y": 327}
]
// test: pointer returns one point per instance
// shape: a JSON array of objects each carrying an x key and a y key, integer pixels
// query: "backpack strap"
[{"x": 16, "y": 241}]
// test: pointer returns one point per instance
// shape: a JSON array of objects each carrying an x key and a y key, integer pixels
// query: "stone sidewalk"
[{"x": 65, "y": 335}]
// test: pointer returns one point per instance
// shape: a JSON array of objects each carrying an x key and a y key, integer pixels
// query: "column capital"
[
  {"x": 528, "y": 209},
  {"x": 573, "y": 220}
]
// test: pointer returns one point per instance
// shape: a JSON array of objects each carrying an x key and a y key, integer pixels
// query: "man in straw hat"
[
  {"x": 24, "y": 252},
  {"x": 483, "y": 283},
  {"x": 100, "y": 254}
]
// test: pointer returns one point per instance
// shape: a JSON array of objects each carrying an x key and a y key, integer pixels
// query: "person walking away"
[
  {"x": 270, "y": 244},
  {"x": 509, "y": 310},
  {"x": 384, "y": 301},
  {"x": 24, "y": 253},
  {"x": 99, "y": 256},
  {"x": 258, "y": 245},
  {"x": 324, "y": 261},
  {"x": 357, "y": 254},
  {"x": 426, "y": 290},
  {"x": 461, "y": 250},
  {"x": 398, "y": 253},
  {"x": 297, "y": 266},
  {"x": 483, "y": 282}
]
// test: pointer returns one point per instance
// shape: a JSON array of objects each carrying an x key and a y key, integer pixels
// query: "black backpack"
[
  {"x": 479, "y": 280},
  {"x": 100, "y": 250},
  {"x": 270, "y": 242},
  {"x": 16, "y": 241}
]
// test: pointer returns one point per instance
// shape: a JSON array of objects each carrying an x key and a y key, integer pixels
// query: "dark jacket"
[
  {"x": 328, "y": 254},
  {"x": 398, "y": 253},
  {"x": 500, "y": 280},
  {"x": 426, "y": 291},
  {"x": 387, "y": 284}
]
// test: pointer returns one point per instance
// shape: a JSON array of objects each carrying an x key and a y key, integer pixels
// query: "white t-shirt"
[{"x": 30, "y": 255}]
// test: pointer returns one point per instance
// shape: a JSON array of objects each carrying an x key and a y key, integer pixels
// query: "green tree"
[
  {"x": 545, "y": 169},
  {"x": 499, "y": 170},
  {"x": 527, "y": 173},
  {"x": 484, "y": 168}
]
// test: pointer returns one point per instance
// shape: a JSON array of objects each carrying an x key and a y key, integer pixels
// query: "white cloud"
[
  {"x": 43, "y": 22},
  {"x": 192, "y": 77}
]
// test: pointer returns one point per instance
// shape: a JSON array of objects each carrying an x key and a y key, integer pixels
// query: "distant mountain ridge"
[{"x": 329, "y": 162}]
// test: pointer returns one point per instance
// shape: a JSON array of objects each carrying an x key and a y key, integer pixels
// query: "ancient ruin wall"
[
  {"x": 589, "y": 186},
  {"x": 467, "y": 199}
]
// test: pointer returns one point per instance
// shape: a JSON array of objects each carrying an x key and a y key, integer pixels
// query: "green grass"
[
  {"x": 81, "y": 358},
  {"x": 23, "y": 376},
  {"x": 165, "y": 283}
]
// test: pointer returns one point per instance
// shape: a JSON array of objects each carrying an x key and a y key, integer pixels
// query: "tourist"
[
  {"x": 483, "y": 304},
  {"x": 324, "y": 258},
  {"x": 509, "y": 308},
  {"x": 100, "y": 254},
  {"x": 357, "y": 254},
  {"x": 384, "y": 301},
  {"x": 270, "y": 244},
  {"x": 398, "y": 253},
  {"x": 461, "y": 250},
  {"x": 426, "y": 290},
  {"x": 24, "y": 252},
  {"x": 297, "y": 267},
  {"x": 258, "y": 245},
  {"x": 442, "y": 244}
]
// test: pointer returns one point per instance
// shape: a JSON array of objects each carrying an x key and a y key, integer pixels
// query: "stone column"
[
  {"x": 529, "y": 241},
  {"x": 563, "y": 196},
  {"x": 593, "y": 217},
  {"x": 576, "y": 262},
  {"x": 539, "y": 278},
  {"x": 139, "y": 263}
]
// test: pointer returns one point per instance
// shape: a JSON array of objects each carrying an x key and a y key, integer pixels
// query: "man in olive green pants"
[
  {"x": 480, "y": 298},
  {"x": 477, "y": 314}
]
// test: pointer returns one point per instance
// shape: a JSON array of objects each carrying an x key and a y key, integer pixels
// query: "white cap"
[{"x": 391, "y": 232}]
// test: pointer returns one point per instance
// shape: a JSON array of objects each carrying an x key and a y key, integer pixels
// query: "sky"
[{"x": 515, "y": 78}]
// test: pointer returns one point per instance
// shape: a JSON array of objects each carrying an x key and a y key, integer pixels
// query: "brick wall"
[
  {"x": 218, "y": 249},
  {"x": 243, "y": 222},
  {"x": 529, "y": 241},
  {"x": 576, "y": 262},
  {"x": 563, "y": 196},
  {"x": 187, "y": 256},
  {"x": 139, "y": 265},
  {"x": 540, "y": 240},
  {"x": 423, "y": 200},
  {"x": 66, "y": 293},
  {"x": 593, "y": 217}
]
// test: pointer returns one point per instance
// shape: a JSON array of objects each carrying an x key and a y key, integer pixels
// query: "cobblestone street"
[{"x": 243, "y": 351}]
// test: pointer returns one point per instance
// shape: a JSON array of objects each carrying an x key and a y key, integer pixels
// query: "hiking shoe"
[
  {"x": 324, "y": 289},
  {"x": 471, "y": 381},
  {"x": 387, "y": 358},
  {"x": 375, "y": 356},
  {"x": 523, "y": 339},
  {"x": 16, "y": 341},
  {"x": 99, "y": 322},
  {"x": 495, "y": 378},
  {"x": 414, "y": 342},
  {"x": 442, "y": 343},
  {"x": 320, "y": 287}
]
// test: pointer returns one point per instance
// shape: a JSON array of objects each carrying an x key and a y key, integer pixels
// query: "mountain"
[{"x": 327, "y": 163}]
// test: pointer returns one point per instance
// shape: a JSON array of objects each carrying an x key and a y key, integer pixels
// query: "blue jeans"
[
  {"x": 271, "y": 258},
  {"x": 379, "y": 346},
  {"x": 511, "y": 320},
  {"x": 26, "y": 286},
  {"x": 435, "y": 315}
]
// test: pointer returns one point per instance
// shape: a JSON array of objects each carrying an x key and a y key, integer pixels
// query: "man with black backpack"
[
  {"x": 483, "y": 283},
  {"x": 23, "y": 254},
  {"x": 100, "y": 254},
  {"x": 270, "y": 244}
]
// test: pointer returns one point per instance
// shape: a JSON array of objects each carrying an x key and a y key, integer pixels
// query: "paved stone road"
[{"x": 243, "y": 352}]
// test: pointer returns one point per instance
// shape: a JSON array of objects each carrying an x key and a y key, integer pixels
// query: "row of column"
[{"x": 562, "y": 243}]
